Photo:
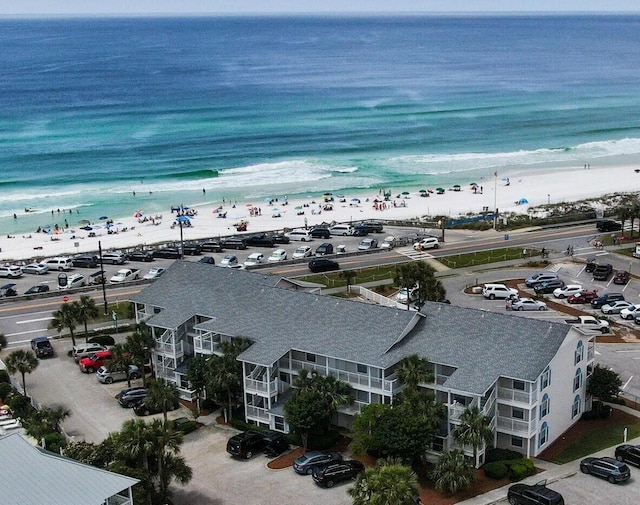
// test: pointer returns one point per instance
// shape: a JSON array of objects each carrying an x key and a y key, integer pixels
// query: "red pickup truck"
[
  {"x": 95, "y": 360},
  {"x": 583, "y": 297}
]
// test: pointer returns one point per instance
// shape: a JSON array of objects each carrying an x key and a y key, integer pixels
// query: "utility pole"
[{"x": 104, "y": 280}]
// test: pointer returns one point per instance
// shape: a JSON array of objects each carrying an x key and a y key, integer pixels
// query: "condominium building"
[{"x": 528, "y": 376}]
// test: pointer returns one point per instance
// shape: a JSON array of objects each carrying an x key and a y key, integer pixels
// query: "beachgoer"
[
  {"x": 543, "y": 253},
  {"x": 15, "y": 216},
  {"x": 524, "y": 253}
]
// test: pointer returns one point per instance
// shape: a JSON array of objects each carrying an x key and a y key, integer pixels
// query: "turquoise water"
[{"x": 94, "y": 110}]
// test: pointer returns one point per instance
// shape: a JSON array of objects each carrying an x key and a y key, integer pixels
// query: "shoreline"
[{"x": 550, "y": 187}]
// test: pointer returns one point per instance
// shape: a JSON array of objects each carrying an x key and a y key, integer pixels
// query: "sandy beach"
[{"x": 518, "y": 193}]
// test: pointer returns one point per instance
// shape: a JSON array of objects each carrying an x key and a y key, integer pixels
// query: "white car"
[
  {"x": 426, "y": 243},
  {"x": 630, "y": 312},
  {"x": 229, "y": 261},
  {"x": 35, "y": 268},
  {"x": 388, "y": 243},
  {"x": 254, "y": 259},
  {"x": 277, "y": 255},
  {"x": 74, "y": 281},
  {"x": 401, "y": 297},
  {"x": 615, "y": 307},
  {"x": 10, "y": 271},
  {"x": 304, "y": 251},
  {"x": 528, "y": 304},
  {"x": 154, "y": 273},
  {"x": 568, "y": 290}
]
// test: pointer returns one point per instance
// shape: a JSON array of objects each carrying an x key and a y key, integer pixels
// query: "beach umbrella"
[
  {"x": 422, "y": 191},
  {"x": 86, "y": 228},
  {"x": 523, "y": 201},
  {"x": 103, "y": 218},
  {"x": 387, "y": 194},
  {"x": 456, "y": 185},
  {"x": 405, "y": 193},
  {"x": 268, "y": 199},
  {"x": 275, "y": 209},
  {"x": 182, "y": 219},
  {"x": 355, "y": 200},
  {"x": 473, "y": 184},
  {"x": 327, "y": 194},
  {"x": 298, "y": 207}
]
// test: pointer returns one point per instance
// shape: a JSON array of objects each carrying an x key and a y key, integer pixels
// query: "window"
[
  {"x": 576, "y": 407},
  {"x": 545, "y": 378},
  {"x": 311, "y": 357},
  {"x": 362, "y": 368},
  {"x": 516, "y": 442},
  {"x": 577, "y": 380},
  {"x": 519, "y": 385},
  {"x": 544, "y": 435},
  {"x": 579, "y": 354},
  {"x": 544, "y": 406},
  {"x": 517, "y": 413}
]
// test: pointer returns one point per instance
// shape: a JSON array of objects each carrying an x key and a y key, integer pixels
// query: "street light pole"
[
  {"x": 495, "y": 201},
  {"x": 104, "y": 280}
]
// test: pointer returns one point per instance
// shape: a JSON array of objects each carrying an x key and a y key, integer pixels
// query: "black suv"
[
  {"x": 211, "y": 246},
  {"x": 261, "y": 240},
  {"x": 85, "y": 261},
  {"x": 327, "y": 476},
  {"x": 168, "y": 253},
  {"x": 42, "y": 347},
  {"x": 628, "y": 453},
  {"x": 275, "y": 443},
  {"x": 235, "y": 243},
  {"x": 140, "y": 255},
  {"x": 323, "y": 265},
  {"x": 538, "y": 494},
  {"x": 603, "y": 272},
  {"x": 130, "y": 397},
  {"x": 246, "y": 444},
  {"x": 608, "y": 225},
  {"x": 320, "y": 232},
  {"x": 606, "y": 298},
  {"x": 371, "y": 226},
  {"x": 192, "y": 248},
  {"x": 607, "y": 468},
  {"x": 546, "y": 287}
]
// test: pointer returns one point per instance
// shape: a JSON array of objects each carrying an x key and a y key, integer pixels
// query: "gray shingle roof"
[
  {"x": 481, "y": 345},
  {"x": 29, "y": 476}
]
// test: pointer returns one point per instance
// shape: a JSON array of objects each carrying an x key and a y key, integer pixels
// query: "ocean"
[{"x": 105, "y": 117}]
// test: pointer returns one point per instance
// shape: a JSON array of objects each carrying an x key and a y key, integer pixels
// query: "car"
[
  {"x": 591, "y": 264},
  {"x": 230, "y": 260},
  {"x": 359, "y": 231},
  {"x": 603, "y": 272},
  {"x": 539, "y": 277},
  {"x": 130, "y": 397},
  {"x": 630, "y": 312},
  {"x": 235, "y": 243},
  {"x": 10, "y": 271},
  {"x": 35, "y": 268},
  {"x": 140, "y": 255},
  {"x": 300, "y": 234},
  {"x": 568, "y": 290},
  {"x": 304, "y": 251},
  {"x": 317, "y": 265},
  {"x": 254, "y": 259},
  {"x": 83, "y": 350},
  {"x": 329, "y": 475},
  {"x": 371, "y": 226},
  {"x": 596, "y": 303},
  {"x": 154, "y": 273},
  {"x": 168, "y": 253},
  {"x": 8, "y": 290},
  {"x": 426, "y": 243},
  {"x": 107, "y": 376},
  {"x": 401, "y": 297},
  {"x": 207, "y": 260},
  {"x": 538, "y": 494},
  {"x": 95, "y": 360},
  {"x": 628, "y": 453},
  {"x": 493, "y": 291},
  {"x": 141, "y": 408},
  {"x": 184, "y": 425},
  {"x": 607, "y": 468},
  {"x": 277, "y": 255},
  {"x": 85, "y": 261},
  {"x": 341, "y": 229},
  {"x": 320, "y": 232},
  {"x": 528, "y": 304},
  {"x": 59, "y": 263},
  {"x": 583, "y": 296},
  {"x": 608, "y": 225},
  {"x": 42, "y": 347},
  {"x": 615, "y": 307},
  {"x": 546, "y": 287},
  {"x": 113, "y": 257},
  {"x": 367, "y": 244},
  {"x": 246, "y": 444},
  {"x": 388, "y": 243},
  {"x": 275, "y": 443},
  {"x": 324, "y": 249},
  {"x": 35, "y": 290},
  {"x": 260, "y": 240},
  {"x": 621, "y": 277},
  {"x": 211, "y": 246},
  {"x": 127, "y": 391},
  {"x": 73, "y": 281},
  {"x": 305, "y": 464},
  {"x": 280, "y": 238},
  {"x": 192, "y": 248}
]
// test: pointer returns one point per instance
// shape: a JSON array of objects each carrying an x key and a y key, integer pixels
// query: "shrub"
[
  {"x": 598, "y": 411},
  {"x": 323, "y": 441},
  {"x": 102, "y": 339},
  {"x": 208, "y": 404},
  {"x": 4, "y": 376},
  {"x": 519, "y": 469},
  {"x": 5, "y": 391},
  {"x": 21, "y": 406},
  {"x": 53, "y": 442},
  {"x": 495, "y": 470},
  {"x": 494, "y": 454}
]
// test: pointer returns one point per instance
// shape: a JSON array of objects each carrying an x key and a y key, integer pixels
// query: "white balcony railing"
[
  {"x": 260, "y": 387},
  {"x": 515, "y": 395},
  {"x": 169, "y": 348},
  {"x": 117, "y": 499},
  {"x": 516, "y": 426},
  {"x": 257, "y": 413}
]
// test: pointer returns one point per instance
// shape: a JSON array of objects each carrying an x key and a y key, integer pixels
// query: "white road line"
[
  {"x": 24, "y": 332},
  {"x": 627, "y": 383},
  {"x": 27, "y": 321},
  {"x": 627, "y": 351}
]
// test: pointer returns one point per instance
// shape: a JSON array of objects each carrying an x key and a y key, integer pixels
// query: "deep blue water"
[{"x": 94, "y": 109}]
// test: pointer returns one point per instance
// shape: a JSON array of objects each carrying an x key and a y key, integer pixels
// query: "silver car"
[{"x": 528, "y": 304}]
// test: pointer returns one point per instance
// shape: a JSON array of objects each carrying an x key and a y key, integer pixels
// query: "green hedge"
[
  {"x": 494, "y": 454},
  {"x": 515, "y": 469},
  {"x": 5, "y": 391}
]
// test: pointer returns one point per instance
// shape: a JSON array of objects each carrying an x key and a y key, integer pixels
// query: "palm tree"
[
  {"x": 139, "y": 345},
  {"x": 197, "y": 377},
  {"x": 65, "y": 317},
  {"x": 45, "y": 421},
  {"x": 406, "y": 277},
  {"x": 413, "y": 371},
  {"x": 121, "y": 360},
  {"x": 162, "y": 395},
  {"x": 348, "y": 275},
  {"x": 453, "y": 472},
  {"x": 390, "y": 483},
  {"x": 335, "y": 392},
  {"x": 21, "y": 361},
  {"x": 473, "y": 430},
  {"x": 86, "y": 310}
]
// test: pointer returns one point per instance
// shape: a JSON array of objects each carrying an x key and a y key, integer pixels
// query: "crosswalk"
[{"x": 410, "y": 252}]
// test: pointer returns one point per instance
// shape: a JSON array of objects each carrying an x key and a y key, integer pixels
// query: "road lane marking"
[
  {"x": 24, "y": 332},
  {"x": 27, "y": 321},
  {"x": 627, "y": 383}
]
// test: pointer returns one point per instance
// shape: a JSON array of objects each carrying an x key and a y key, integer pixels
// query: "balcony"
[
  {"x": 516, "y": 426},
  {"x": 170, "y": 349},
  {"x": 260, "y": 387},
  {"x": 257, "y": 413},
  {"x": 205, "y": 345},
  {"x": 117, "y": 499},
  {"x": 515, "y": 395}
]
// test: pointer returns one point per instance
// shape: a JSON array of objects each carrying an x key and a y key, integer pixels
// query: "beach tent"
[
  {"x": 440, "y": 191},
  {"x": 183, "y": 219},
  {"x": 456, "y": 187},
  {"x": 522, "y": 201}
]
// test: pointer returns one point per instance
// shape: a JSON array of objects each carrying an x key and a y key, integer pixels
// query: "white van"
[
  {"x": 493, "y": 291},
  {"x": 302, "y": 235},
  {"x": 83, "y": 350},
  {"x": 74, "y": 281},
  {"x": 341, "y": 229},
  {"x": 58, "y": 263}
]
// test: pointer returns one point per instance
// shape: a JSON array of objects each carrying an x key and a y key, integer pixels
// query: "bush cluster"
[
  {"x": 5, "y": 391},
  {"x": 515, "y": 469},
  {"x": 597, "y": 412},
  {"x": 494, "y": 454}
]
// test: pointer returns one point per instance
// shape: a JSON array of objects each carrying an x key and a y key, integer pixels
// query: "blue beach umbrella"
[
  {"x": 268, "y": 199},
  {"x": 183, "y": 219}
]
